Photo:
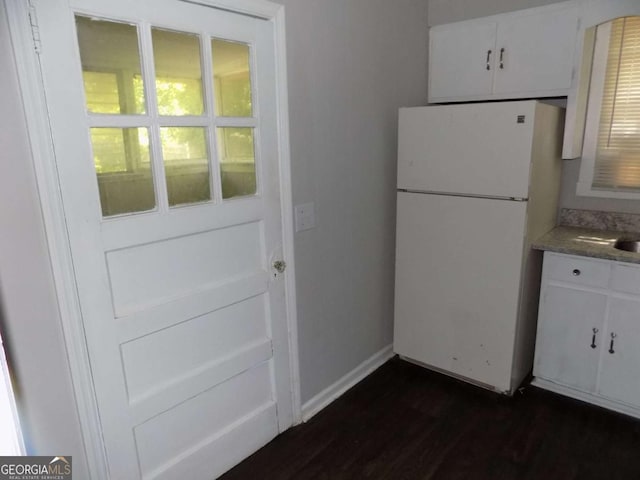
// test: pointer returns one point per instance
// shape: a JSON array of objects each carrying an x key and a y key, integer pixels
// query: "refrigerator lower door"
[{"x": 458, "y": 275}]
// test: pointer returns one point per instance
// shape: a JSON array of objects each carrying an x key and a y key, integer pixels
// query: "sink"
[{"x": 627, "y": 244}]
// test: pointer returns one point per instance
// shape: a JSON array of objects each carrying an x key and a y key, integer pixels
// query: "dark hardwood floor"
[{"x": 404, "y": 422}]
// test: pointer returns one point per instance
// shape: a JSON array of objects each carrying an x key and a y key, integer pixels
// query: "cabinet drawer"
[
  {"x": 626, "y": 278},
  {"x": 577, "y": 270}
]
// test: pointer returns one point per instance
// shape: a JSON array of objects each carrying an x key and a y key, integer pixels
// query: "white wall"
[
  {"x": 28, "y": 310},
  {"x": 445, "y": 11},
  {"x": 351, "y": 63}
]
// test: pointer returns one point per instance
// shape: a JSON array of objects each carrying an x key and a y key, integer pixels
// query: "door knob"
[{"x": 280, "y": 266}]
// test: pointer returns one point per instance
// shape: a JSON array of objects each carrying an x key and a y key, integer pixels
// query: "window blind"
[{"x": 617, "y": 165}]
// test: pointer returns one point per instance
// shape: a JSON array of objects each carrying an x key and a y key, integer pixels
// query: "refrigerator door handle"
[{"x": 465, "y": 195}]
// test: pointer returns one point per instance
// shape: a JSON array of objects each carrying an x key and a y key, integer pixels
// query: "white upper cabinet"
[
  {"x": 537, "y": 52},
  {"x": 462, "y": 60},
  {"x": 526, "y": 54}
]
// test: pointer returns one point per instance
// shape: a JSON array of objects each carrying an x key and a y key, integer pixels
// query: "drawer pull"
[
  {"x": 613, "y": 337},
  {"x": 593, "y": 339},
  {"x": 576, "y": 272},
  {"x": 502, "y": 59},
  {"x": 489, "y": 52}
]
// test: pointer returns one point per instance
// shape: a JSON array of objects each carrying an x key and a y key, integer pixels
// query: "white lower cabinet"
[
  {"x": 588, "y": 342},
  {"x": 620, "y": 370},
  {"x": 567, "y": 350}
]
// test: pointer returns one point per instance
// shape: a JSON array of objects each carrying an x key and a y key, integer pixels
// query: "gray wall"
[
  {"x": 446, "y": 11},
  {"x": 28, "y": 310},
  {"x": 351, "y": 65}
]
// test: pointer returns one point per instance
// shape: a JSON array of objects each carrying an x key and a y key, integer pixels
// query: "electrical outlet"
[{"x": 305, "y": 216}]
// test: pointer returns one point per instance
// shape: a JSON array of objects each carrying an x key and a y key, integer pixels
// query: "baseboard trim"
[
  {"x": 332, "y": 392},
  {"x": 586, "y": 397}
]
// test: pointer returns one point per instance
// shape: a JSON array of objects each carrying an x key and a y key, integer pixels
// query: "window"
[
  {"x": 140, "y": 130},
  {"x": 611, "y": 156}
]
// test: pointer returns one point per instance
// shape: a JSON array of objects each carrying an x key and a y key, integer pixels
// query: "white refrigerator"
[{"x": 477, "y": 183}]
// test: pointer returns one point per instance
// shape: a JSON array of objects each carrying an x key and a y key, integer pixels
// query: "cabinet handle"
[
  {"x": 489, "y": 52},
  {"x": 502, "y": 58},
  {"x": 576, "y": 273},
  {"x": 613, "y": 337},
  {"x": 593, "y": 339}
]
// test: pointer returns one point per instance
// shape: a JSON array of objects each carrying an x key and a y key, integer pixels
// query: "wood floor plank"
[{"x": 405, "y": 422}]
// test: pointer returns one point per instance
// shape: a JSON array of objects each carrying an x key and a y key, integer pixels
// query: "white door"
[
  {"x": 164, "y": 126},
  {"x": 534, "y": 52},
  {"x": 570, "y": 336},
  {"x": 462, "y": 60},
  {"x": 619, "y": 378}
]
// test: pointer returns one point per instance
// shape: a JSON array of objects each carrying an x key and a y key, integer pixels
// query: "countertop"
[{"x": 586, "y": 242}]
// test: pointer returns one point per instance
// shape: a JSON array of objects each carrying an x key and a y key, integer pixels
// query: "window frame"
[{"x": 592, "y": 124}]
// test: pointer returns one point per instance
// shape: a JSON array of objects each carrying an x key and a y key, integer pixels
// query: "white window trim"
[
  {"x": 11, "y": 441},
  {"x": 592, "y": 125}
]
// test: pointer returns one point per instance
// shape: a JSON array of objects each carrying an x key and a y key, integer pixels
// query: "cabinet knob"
[{"x": 576, "y": 272}]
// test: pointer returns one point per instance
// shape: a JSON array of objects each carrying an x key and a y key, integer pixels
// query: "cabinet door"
[
  {"x": 461, "y": 60},
  {"x": 619, "y": 374},
  {"x": 534, "y": 52},
  {"x": 564, "y": 352}
]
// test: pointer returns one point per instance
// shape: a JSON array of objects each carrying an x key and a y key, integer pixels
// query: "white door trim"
[{"x": 20, "y": 20}]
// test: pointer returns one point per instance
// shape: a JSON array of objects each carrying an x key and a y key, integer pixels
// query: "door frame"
[{"x": 23, "y": 30}]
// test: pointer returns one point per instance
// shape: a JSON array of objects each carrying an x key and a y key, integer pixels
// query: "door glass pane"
[
  {"x": 178, "y": 73},
  {"x": 231, "y": 78},
  {"x": 237, "y": 161},
  {"x": 110, "y": 62},
  {"x": 186, "y": 164},
  {"x": 121, "y": 158}
]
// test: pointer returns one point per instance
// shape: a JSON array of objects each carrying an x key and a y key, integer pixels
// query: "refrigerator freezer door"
[
  {"x": 458, "y": 271},
  {"x": 475, "y": 149}
]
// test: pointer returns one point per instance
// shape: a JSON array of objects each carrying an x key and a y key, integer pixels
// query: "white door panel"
[
  {"x": 138, "y": 280},
  {"x": 477, "y": 149},
  {"x": 458, "y": 269},
  {"x": 184, "y": 317},
  {"x": 199, "y": 419},
  {"x": 199, "y": 345},
  {"x": 536, "y": 66},
  {"x": 619, "y": 379},
  {"x": 568, "y": 350},
  {"x": 462, "y": 60}
]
